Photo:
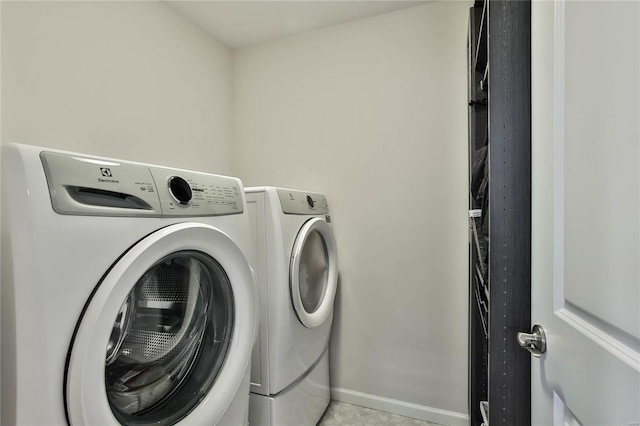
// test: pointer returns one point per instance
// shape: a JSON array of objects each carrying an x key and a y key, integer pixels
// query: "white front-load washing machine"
[
  {"x": 127, "y": 296},
  {"x": 296, "y": 263}
]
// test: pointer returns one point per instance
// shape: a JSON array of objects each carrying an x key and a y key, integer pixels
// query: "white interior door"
[{"x": 586, "y": 215}]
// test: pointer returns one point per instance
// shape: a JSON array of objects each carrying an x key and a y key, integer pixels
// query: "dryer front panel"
[
  {"x": 314, "y": 272},
  {"x": 167, "y": 334}
]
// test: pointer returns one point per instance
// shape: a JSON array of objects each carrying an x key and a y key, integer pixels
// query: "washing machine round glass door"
[
  {"x": 314, "y": 272},
  {"x": 167, "y": 334}
]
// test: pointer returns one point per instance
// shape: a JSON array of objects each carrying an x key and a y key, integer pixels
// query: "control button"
[
  {"x": 180, "y": 190},
  {"x": 310, "y": 201}
]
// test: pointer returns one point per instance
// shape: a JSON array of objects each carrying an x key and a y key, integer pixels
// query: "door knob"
[{"x": 535, "y": 342}]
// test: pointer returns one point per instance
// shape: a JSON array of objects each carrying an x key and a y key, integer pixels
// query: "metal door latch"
[{"x": 535, "y": 342}]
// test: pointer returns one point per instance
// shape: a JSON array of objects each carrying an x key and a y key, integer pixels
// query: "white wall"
[
  {"x": 132, "y": 80},
  {"x": 373, "y": 113}
]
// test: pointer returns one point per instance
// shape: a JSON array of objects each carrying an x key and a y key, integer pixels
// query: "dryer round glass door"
[
  {"x": 314, "y": 272},
  {"x": 167, "y": 334}
]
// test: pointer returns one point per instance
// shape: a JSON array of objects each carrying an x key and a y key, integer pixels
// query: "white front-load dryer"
[
  {"x": 296, "y": 262},
  {"x": 127, "y": 297}
]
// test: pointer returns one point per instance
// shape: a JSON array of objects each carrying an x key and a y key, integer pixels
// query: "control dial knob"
[
  {"x": 180, "y": 190},
  {"x": 310, "y": 201}
]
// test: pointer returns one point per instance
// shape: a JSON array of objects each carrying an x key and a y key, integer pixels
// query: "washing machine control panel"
[
  {"x": 92, "y": 186},
  {"x": 184, "y": 193},
  {"x": 300, "y": 202}
]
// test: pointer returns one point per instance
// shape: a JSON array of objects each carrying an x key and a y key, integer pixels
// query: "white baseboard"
[{"x": 401, "y": 408}]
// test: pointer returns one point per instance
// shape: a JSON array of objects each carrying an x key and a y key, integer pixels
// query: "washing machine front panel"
[
  {"x": 54, "y": 260},
  {"x": 169, "y": 325},
  {"x": 314, "y": 272}
]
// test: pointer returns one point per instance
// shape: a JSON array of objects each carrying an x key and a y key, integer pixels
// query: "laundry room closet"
[{"x": 371, "y": 112}]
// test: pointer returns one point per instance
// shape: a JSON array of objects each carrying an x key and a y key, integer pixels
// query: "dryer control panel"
[
  {"x": 83, "y": 185},
  {"x": 300, "y": 202}
]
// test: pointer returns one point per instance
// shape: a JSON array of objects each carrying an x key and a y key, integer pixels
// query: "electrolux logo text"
[{"x": 106, "y": 172}]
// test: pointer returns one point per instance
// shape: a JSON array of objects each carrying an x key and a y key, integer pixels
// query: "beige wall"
[
  {"x": 373, "y": 113},
  {"x": 132, "y": 80}
]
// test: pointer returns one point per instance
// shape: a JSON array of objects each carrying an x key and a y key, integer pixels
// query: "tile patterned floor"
[{"x": 341, "y": 414}]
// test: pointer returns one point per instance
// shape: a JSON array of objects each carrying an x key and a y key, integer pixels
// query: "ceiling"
[{"x": 241, "y": 23}]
